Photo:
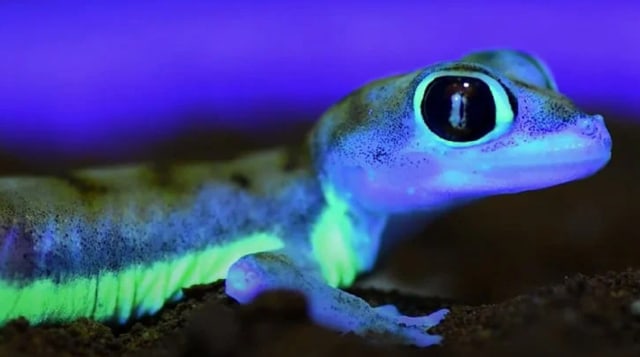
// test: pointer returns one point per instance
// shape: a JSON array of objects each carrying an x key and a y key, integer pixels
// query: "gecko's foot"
[
  {"x": 413, "y": 330},
  {"x": 333, "y": 308}
]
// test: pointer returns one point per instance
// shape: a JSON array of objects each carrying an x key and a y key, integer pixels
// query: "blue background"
[{"x": 102, "y": 80}]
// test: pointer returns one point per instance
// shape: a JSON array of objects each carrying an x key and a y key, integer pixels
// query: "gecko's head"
[{"x": 456, "y": 131}]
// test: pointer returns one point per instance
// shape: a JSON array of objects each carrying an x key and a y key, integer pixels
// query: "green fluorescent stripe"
[
  {"x": 330, "y": 238},
  {"x": 134, "y": 291}
]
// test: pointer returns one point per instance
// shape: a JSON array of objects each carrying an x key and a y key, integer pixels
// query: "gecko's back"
[{"x": 141, "y": 233}]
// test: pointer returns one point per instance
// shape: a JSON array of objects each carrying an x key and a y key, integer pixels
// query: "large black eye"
[{"x": 459, "y": 108}]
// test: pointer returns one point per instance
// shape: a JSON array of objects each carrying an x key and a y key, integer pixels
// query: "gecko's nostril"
[{"x": 589, "y": 125}]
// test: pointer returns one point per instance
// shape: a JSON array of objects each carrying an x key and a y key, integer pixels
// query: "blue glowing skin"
[{"x": 116, "y": 243}]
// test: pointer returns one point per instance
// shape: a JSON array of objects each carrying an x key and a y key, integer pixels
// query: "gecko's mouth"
[
  {"x": 563, "y": 156},
  {"x": 560, "y": 168},
  {"x": 527, "y": 167},
  {"x": 551, "y": 170},
  {"x": 561, "y": 161}
]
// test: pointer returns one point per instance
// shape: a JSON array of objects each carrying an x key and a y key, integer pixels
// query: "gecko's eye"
[{"x": 464, "y": 108}]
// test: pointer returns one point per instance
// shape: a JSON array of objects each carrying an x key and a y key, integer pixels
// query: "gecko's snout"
[
  {"x": 577, "y": 150},
  {"x": 589, "y": 125},
  {"x": 593, "y": 141}
]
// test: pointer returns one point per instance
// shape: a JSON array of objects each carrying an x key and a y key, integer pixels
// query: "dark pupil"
[{"x": 459, "y": 108}]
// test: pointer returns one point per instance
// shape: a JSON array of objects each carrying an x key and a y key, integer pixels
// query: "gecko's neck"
[
  {"x": 341, "y": 237},
  {"x": 345, "y": 238}
]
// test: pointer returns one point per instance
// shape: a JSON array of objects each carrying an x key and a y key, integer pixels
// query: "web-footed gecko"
[{"x": 116, "y": 243}]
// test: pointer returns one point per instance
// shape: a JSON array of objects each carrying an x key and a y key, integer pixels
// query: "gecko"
[{"x": 117, "y": 243}]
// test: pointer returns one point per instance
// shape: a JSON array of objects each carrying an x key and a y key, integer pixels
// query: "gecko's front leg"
[{"x": 328, "y": 306}]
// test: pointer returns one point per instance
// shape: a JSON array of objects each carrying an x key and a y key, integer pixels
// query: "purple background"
[{"x": 104, "y": 79}]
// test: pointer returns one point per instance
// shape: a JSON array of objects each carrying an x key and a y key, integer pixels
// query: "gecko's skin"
[{"x": 117, "y": 243}]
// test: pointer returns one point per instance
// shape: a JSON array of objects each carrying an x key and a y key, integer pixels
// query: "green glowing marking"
[
  {"x": 330, "y": 239},
  {"x": 139, "y": 289}
]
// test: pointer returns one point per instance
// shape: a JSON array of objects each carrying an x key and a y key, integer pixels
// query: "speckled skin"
[
  {"x": 133, "y": 217},
  {"x": 371, "y": 150}
]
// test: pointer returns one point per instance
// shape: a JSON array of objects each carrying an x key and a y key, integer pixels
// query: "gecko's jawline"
[{"x": 587, "y": 165}]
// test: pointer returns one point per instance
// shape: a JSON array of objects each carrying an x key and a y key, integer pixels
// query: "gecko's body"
[{"x": 117, "y": 243}]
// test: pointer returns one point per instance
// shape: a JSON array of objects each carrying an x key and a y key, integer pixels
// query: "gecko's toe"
[
  {"x": 423, "y": 339},
  {"x": 410, "y": 330},
  {"x": 416, "y": 331},
  {"x": 426, "y": 321},
  {"x": 244, "y": 280}
]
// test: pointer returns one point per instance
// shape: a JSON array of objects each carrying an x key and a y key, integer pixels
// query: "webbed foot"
[{"x": 330, "y": 307}]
